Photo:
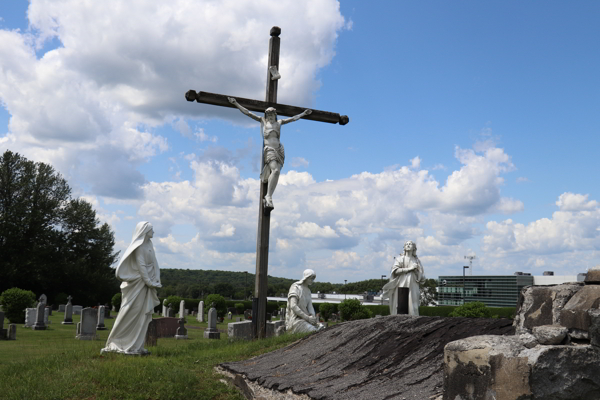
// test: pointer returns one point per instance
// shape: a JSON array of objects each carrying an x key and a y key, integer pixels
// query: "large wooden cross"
[{"x": 264, "y": 213}]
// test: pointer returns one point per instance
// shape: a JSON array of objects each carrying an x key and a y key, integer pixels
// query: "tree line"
[{"x": 50, "y": 242}]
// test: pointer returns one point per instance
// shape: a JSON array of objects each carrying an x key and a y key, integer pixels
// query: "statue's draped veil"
[
  {"x": 307, "y": 274},
  {"x": 127, "y": 270}
]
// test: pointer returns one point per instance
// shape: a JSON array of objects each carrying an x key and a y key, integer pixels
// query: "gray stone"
[
  {"x": 574, "y": 314},
  {"x": 594, "y": 331},
  {"x": 181, "y": 331},
  {"x": 528, "y": 340},
  {"x": 100, "y": 326},
  {"x": 394, "y": 357},
  {"x": 61, "y": 307},
  {"x": 182, "y": 309},
  {"x": 107, "y": 312},
  {"x": 47, "y": 313},
  {"x": 592, "y": 276},
  {"x": 87, "y": 327},
  {"x": 238, "y": 319},
  {"x": 77, "y": 310},
  {"x": 40, "y": 317},
  {"x": 49, "y": 310},
  {"x": 152, "y": 334},
  {"x": 187, "y": 312},
  {"x": 12, "y": 332},
  {"x": 43, "y": 299},
  {"x": 550, "y": 334},
  {"x": 273, "y": 326},
  {"x": 240, "y": 330},
  {"x": 30, "y": 317},
  {"x": 200, "y": 316},
  {"x": 68, "y": 320},
  {"x": 541, "y": 305},
  {"x": 164, "y": 308},
  {"x": 212, "y": 332}
]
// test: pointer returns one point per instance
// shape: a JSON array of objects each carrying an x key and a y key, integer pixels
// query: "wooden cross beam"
[{"x": 264, "y": 213}]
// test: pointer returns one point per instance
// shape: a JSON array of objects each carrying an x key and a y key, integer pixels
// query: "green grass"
[{"x": 52, "y": 364}]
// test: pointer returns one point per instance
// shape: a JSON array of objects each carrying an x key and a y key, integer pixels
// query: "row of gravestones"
[{"x": 9, "y": 333}]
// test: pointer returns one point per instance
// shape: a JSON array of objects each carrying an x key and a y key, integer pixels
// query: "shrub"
[
  {"x": 116, "y": 301},
  {"x": 174, "y": 301},
  {"x": 475, "y": 309},
  {"x": 14, "y": 302},
  {"x": 239, "y": 308},
  {"x": 352, "y": 309},
  {"x": 220, "y": 304},
  {"x": 325, "y": 309}
]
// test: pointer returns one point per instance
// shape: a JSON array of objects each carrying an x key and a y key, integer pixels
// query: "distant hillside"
[{"x": 196, "y": 283}]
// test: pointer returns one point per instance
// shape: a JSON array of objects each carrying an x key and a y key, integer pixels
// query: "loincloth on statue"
[{"x": 271, "y": 154}]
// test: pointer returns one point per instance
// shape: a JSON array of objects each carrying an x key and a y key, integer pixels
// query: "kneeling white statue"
[
  {"x": 300, "y": 314},
  {"x": 407, "y": 272},
  {"x": 139, "y": 272}
]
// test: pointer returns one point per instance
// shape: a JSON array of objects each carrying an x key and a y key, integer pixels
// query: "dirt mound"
[{"x": 393, "y": 357}]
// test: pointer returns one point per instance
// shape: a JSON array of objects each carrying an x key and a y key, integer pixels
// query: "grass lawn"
[{"x": 52, "y": 364}]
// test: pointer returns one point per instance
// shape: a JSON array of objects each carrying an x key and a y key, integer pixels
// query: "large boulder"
[{"x": 397, "y": 357}]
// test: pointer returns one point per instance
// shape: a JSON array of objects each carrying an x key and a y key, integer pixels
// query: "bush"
[
  {"x": 352, "y": 309},
  {"x": 14, "y": 302},
  {"x": 379, "y": 310},
  {"x": 239, "y": 308},
  {"x": 325, "y": 309},
  {"x": 116, "y": 301},
  {"x": 475, "y": 309},
  {"x": 220, "y": 304},
  {"x": 174, "y": 301}
]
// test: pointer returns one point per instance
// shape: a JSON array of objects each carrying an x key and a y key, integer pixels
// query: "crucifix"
[{"x": 272, "y": 159}]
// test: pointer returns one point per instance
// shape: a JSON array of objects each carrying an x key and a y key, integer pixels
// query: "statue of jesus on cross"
[{"x": 273, "y": 152}]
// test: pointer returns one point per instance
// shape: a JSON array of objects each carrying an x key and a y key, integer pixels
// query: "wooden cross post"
[{"x": 264, "y": 213}]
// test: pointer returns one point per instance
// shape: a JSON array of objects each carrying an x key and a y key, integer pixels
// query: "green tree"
[
  {"x": 474, "y": 309},
  {"x": 352, "y": 309},
  {"x": 325, "y": 310},
  {"x": 116, "y": 301},
  {"x": 14, "y": 302},
  {"x": 224, "y": 289},
  {"x": 220, "y": 304},
  {"x": 174, "y": 302},
  {"x": 50, "y": 243},
  {"x": 428, "y": 289}
]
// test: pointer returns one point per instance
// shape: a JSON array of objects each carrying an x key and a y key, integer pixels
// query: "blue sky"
[{"x": 473, "y": 128}]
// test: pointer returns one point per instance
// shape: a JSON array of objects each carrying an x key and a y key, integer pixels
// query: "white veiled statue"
[
  {"x": 139, "y": 272},
  {"x": 300, "y": 314},
  {"x": 407, "y": 272}
]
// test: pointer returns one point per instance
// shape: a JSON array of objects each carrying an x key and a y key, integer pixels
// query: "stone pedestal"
[
  {"x": 212, "y": 332},
  {"x": 181, "y": 331},
  {"x": 100, "y": 326}
]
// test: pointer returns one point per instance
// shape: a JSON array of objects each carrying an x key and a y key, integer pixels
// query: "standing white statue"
[
  {"x": 407, "y": 272},
  {"x": 300, "y": 314},
  {"x": 139, "y": 272},
  {"x": 273, "y": 152}
]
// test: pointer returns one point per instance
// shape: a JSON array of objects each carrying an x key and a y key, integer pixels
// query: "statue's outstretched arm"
[
  {"x": 244, "y": 110},
  {"x": 295, "y": 117}
]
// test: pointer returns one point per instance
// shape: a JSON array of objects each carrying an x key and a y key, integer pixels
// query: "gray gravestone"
[
  {"x": 237, "y": 319},
  {"x": 40, "y": 316},
  {"x": 68, "y": 313},
  {"x": 61, "y": 307},
  {"x": 152, "y": 334},
  {"x": 47, "y": 313},
  {"x": 49, "y": 310},
  {"x": 43, "y": 299},
  {"x": 12, "y": 332},
  {"x": 87, "y": 326},
  {"x": 164, "y": 308},
  {"x": 212, "y": 332},
  {"x": 187, "y": 312},
  {"x": 200, "y": 317},
  {"x": 170, "y": 312},
  {"x": 30, "y": 315},
  {"x": 182, "y": 309},
  {"x": 107, "y": 312},
  {"x": 3, "y": 332},
  {"x": 77, "y": 310},
  {"x": 100, "y": 325},
  {"x": 181, "y": 331}
]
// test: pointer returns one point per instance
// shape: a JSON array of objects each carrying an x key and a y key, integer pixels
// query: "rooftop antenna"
[{"x": 470, "y": 258}]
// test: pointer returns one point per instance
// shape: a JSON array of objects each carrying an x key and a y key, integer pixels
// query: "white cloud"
[
  {"x": 299, "y": 162},
  {"x": 575, "y": 202}
]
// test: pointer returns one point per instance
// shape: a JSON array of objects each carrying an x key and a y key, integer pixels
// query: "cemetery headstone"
[
  {"x": 237, "y": 319},
  {"x": 40, "y": 316},
  {"x": 181, "y": 331},
  {"x": 68, "y": 320},
  {"x": 166, "y": 327},
  {"x": 87, "y": 326},
  {"x": 212, "y": 332},
  {"x": 152, "y": 334},
  {"x": 12, "y": 332},
  {"x": 30, "y": 317},
  {"x": 47, "y": 315},
  {"x": 100, "y": 325},
  {"x": 200, "y": 317},
  {"x": 3, "y": 332},
  {"x": 164, "y": 308},
  {"x": 43, "y": 299},
  {"x": 240, "y": 330},
  {"x": 187, "y": 312},
  {"x": 170, "y": 312},
  {"x": 107, "y": 312},
  {"x": 49, "y": 310},
  {"x": 77, "y": 310},
  {"x": 182, "y": 309},
  {"x": 61, "y": 307}
]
